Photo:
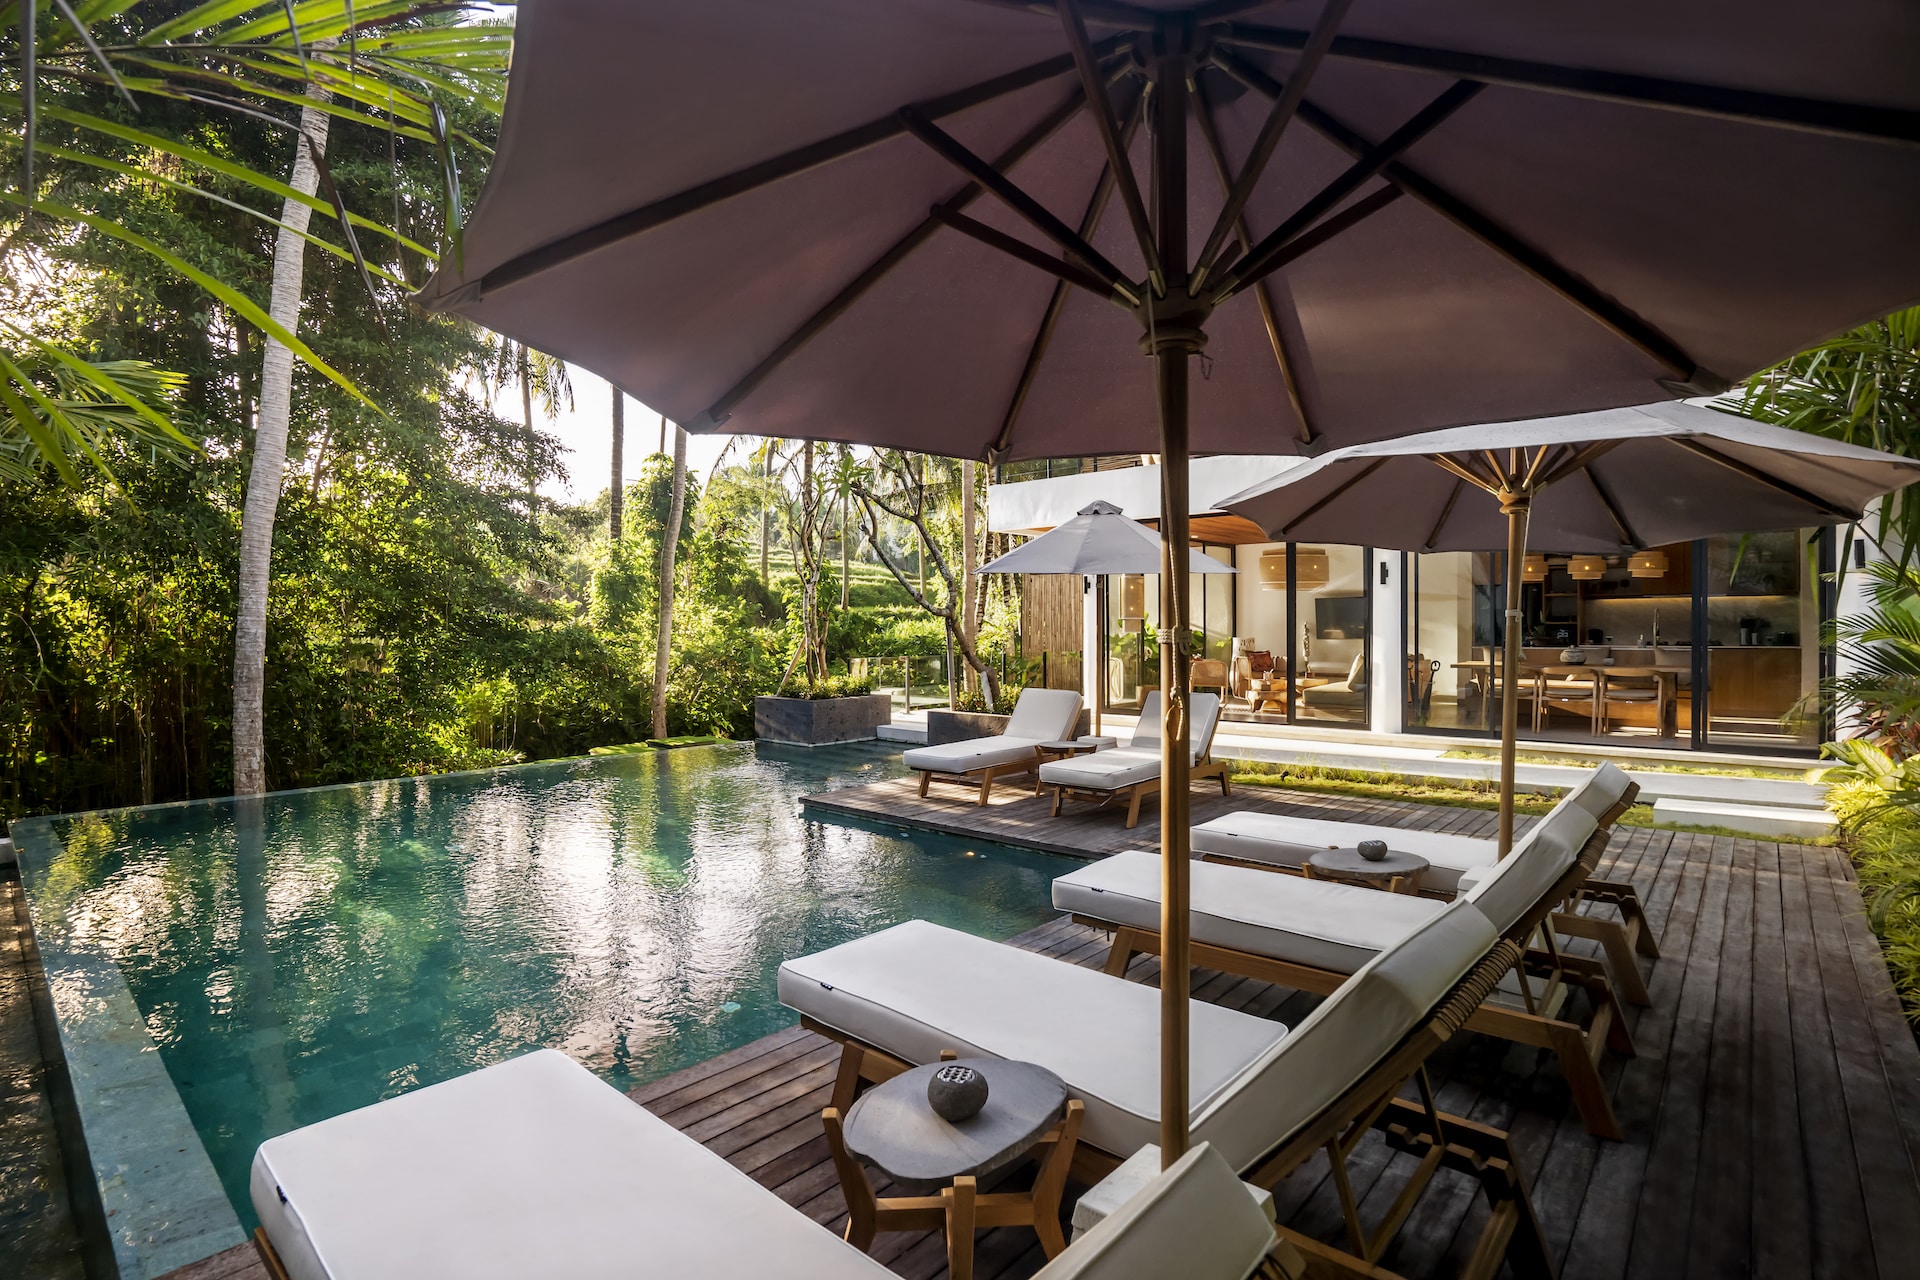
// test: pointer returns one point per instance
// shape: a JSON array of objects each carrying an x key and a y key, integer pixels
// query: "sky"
[{"x": 586, "y": 432}]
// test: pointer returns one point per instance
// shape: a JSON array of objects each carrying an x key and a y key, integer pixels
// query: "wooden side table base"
[{"x": 960, "y": 1209}]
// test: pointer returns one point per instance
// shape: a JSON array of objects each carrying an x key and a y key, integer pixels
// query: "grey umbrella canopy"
[
  {"x": 1606, "y": 481},
  {"x": 958, "y": 225},
  {"x": 1097, "y": 542},
  {"x": 1100, "y": 540}
]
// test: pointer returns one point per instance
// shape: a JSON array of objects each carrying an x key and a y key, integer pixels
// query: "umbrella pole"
[
  {"x": 1173, "y": 336},
  {"x": 1515, "y": 506},
  {"x": 1099, "y": 644}
]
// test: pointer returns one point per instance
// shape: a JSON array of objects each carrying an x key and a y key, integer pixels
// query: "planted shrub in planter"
[{"x": 835, "y": 709}]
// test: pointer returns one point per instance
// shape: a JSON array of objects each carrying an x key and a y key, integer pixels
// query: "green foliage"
[
  {"x": 157, "y": 97},
  {"x": 1862, "y": 387},
  {"x": 832, "y": 687},
  {"x": 1879, "y": 814}
]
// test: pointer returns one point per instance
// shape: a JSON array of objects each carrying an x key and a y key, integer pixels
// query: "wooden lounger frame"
[
  {"x": 1512, "y": 1233},
  {"x": 1577, "y": 1046},
  {"x": 983, "y": 777},
  {"x": 1135, "y": 792}
]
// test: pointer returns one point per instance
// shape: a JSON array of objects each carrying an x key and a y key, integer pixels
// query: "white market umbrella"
[
  {"x": 1097, "y": 542},
  {"x": 1618, "y": 479}
]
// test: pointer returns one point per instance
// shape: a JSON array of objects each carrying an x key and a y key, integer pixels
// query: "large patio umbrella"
[
  {"x": 895, "y": 223},
  {"x": 1097, "y": 542},
  {"x": 1618, "y": 479}
]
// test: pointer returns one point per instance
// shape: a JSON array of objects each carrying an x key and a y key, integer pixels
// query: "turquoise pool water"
[{"x": 321, "y": 950}]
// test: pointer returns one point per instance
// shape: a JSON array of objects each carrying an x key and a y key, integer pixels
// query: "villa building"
[{"x": 1724, "y": 634}]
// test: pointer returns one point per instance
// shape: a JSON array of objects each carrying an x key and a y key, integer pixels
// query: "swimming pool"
[{"x": 317, "y": 951}]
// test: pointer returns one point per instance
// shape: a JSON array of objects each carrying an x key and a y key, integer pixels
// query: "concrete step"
[
  {"x": 1760, "y": 820},
  {"x": 915, "y": 734}
]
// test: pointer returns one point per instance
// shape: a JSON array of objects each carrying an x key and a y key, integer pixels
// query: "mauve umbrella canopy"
[
  {"x": 1644, "y": 193},
  {"x": 1100, "y": 540},
  {"x": 1679, "y": 472}
]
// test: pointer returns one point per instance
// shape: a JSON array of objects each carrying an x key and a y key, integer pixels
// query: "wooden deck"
[
  {"x": 1015, "y": 816},
  {"x": 1772, "y": 1114}
]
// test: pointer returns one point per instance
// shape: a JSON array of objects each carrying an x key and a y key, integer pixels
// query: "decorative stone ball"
[
  {"x": 1573, "y": 657},
  {"x": 1373, "y": 850},
  {"x": 956, "y": 1093}
]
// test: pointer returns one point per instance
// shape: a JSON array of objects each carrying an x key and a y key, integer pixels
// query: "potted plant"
[{"x": 832, "y": 709}]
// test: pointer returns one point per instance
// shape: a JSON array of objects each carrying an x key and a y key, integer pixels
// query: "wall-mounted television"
[{"x": 1340, "y": 617}]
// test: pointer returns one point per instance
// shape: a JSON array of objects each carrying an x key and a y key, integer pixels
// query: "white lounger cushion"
[
  {"x": 1139, "y": 761},
  {"x": 1601, "y": 790},
  {"x": 1508, "y": 889},
  {"x": 1041, "y": 715},
  {"x": 1283, "y": 841},
  {"x": 972, "y": 753},
  {"x": 533, "y": 1167},
  {"x": 1045, "y": 715},
  {"x": 1194, "y": 1221},
  {"x": 1316, "y": 923},
  {"x": 1104, "y": 770},
  {"x": 918, "y": 988},
  {"x": 1345, "y": 1037}
]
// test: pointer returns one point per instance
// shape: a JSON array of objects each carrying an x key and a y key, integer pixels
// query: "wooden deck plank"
[
  {"x": 1781, "y": 1229},
  {"x": 1723, "y": 1188}
]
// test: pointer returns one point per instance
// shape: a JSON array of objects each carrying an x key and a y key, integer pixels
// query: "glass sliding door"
[
  {"x": 1709, "y": 644},
  {"x": 1131, "y": 658},
  {"x": 1761, "y": 603}
]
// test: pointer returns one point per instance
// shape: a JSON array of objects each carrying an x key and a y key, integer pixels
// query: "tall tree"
[
  {"x": 270, "y": 458},
  {"x": 540, "y": 377},
  {"x": 669, "y": 550},
  {"x": 616, "y": 494},
  {"x": 969, "y": 560}
]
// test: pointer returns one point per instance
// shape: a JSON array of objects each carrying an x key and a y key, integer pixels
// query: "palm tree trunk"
[
  {"x": 969, "y": 558},
  {"x": 269, "y": 467},
  {"x": 845, "y": 502},
  {"x": 766, "y": 514},
  {"x": 616, "y": 491},
  {"x": 669, "y": 548},
  {"x": 526, "y": 415}
]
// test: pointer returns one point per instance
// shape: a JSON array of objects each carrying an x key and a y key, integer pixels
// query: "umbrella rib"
[
  {"x": 1773, "y": 110},
  {"x": 1117, "y": 160},
  {"x": 1118, "y": 293},
  {"x": 1446, "y": 512},
  {"x": 658, "y": 213},
  {"x": 1210, "y": 132},
  {"x": 1603, "y": 310},
  {"x": 1345, "y": 485},
  {"x": 1466, "y": 473},
  {"x": 1300, "y": 246},
  {"x": 1376, "y": 158},
  {"x": 1760, "y": 477},
  {"x": 1332, "y": 14},
  {"x": 1057, "y": 304},
  {"x": 956, "y": 153},
  {"x": 718, "y": 412},
  {"x": 1580, "y": 458},
  {"x": 1613, "y": 509}
]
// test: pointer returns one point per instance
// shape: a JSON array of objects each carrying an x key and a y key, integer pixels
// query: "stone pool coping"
[{"x": 163, "y": 1204}]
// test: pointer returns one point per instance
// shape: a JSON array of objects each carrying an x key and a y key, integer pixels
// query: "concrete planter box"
[
  {"x": 958, "y": 726},
  {"x": 809, "y": 722}
]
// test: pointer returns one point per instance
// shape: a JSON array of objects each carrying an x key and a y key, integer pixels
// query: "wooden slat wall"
[{"x": 1051, "y": 612}]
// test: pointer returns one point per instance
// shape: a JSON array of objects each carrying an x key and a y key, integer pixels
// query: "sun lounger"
[
  {"x": 1266, "y": 1097},
  {"x": 1280, "y": 840},
  {"x": 1311, "y": 934},
  {"x": 1040, "y": 715},
  {"x": 535, "y": 1167},
  {"x": 1132, "y": 772}
]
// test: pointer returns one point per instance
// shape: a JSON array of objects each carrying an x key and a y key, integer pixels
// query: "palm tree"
[
  {"x": 401, "y": 69},
  {"x": 669, "y": 549},
  {"x": 268, "y": 471},
  {"x": 1862, "y": 387},
  {"x": 616, "y": 493}
]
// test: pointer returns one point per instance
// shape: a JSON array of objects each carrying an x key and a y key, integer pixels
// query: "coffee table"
[
  {"x": 1397, "y": 872},
  {"x": 893, "y": 1127}
]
